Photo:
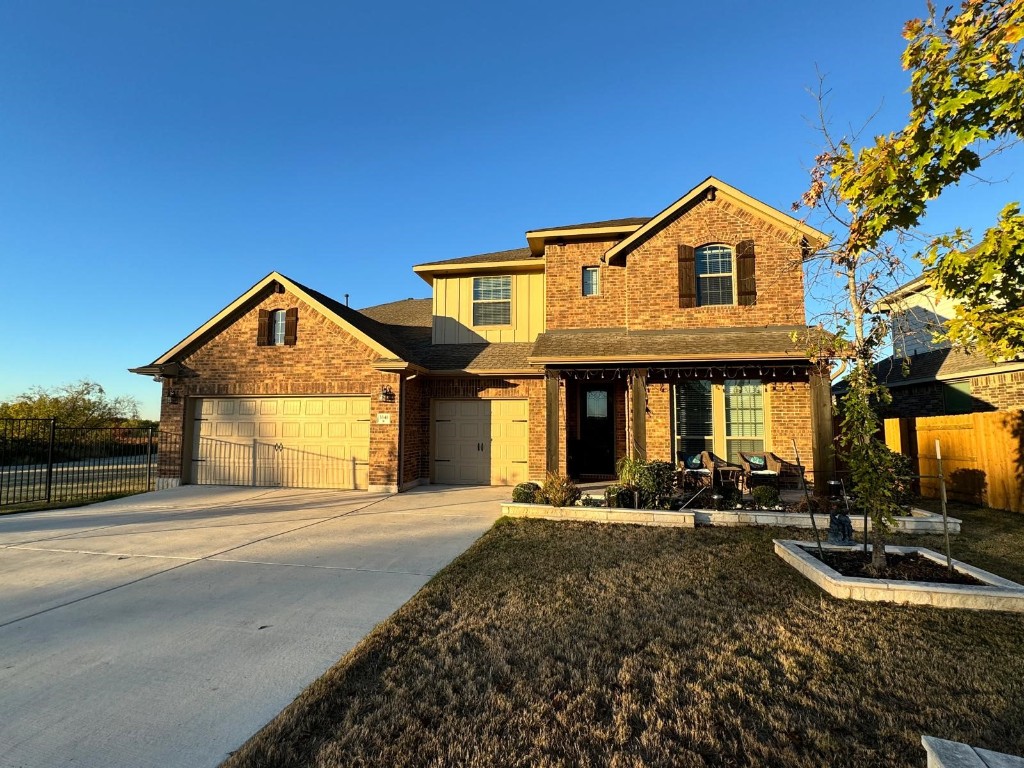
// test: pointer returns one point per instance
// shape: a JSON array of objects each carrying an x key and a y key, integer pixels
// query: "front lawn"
[{"x": 575, "y": 644}]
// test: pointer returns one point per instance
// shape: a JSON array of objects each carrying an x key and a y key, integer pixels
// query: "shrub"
[
  {"x": 619, "y": 496},
  {"x": 558, "y": 491},
  {"x": 652, "y": 480},
  {"x": 525, "y": 493},
  {"x": 819, "y": 504},
  {"x": 728, "y": 498},
  {"x": 765, "y": 496}
]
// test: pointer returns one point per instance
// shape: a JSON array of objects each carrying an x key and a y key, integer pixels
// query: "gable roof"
[
  {"x": 713, "y": 186},
  {"x": 365, "y": 329}
]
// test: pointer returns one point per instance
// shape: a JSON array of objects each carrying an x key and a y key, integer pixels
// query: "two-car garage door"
[
  {"x": 481, "y": 442},
  {"x": 290, "y": 442}
]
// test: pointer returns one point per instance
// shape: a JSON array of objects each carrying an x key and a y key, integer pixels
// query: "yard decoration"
[{"x": 967, "y": 98}]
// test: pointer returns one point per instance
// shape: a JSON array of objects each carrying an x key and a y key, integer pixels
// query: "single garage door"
[
  {"x": 481, "y": 442},
  {"x": 287, "y": 442}
]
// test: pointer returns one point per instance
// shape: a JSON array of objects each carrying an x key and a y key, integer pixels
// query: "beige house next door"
[
  {"x": 285, "y": 442},
  {"x": 481, "y": 442}
]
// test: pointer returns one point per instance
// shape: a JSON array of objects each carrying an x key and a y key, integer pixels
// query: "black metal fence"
[{"x": 41, "y": 461}]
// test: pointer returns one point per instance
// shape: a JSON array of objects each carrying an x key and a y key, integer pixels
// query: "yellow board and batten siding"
[
  {"x": 289, "y": 442},
  {"x": 481, "y": 442},
  {"x": 453, "y": 311}
]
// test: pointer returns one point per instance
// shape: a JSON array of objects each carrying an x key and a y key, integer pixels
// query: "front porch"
[{"x": 597, "y": 416}]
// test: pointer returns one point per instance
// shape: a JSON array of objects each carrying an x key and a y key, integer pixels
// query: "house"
[
  {"x": 645, "y": 336},
  {"x": 925, "y": 375}
]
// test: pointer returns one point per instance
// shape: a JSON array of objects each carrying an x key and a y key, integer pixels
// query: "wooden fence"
[{"x": 982, "y": 455}]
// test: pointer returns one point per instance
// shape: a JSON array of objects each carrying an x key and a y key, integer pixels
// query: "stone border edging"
[
  {"x": 919, "y": 522},
  {"x": 954, "y": 754},
  {"x": 999, "y": 595}
]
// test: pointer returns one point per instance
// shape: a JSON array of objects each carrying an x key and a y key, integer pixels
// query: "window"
[
  {"x": 725, "y": 418},
  {"x": 492, "y": 300},
  {"x": 693, "y": 419},
  {"x": 744, "y": 417},
  {"x": 277, "y": 327},
  {"x": 277, "y": 321},
  {"x": 597, "y": 404},
  {"x": 714, "y": 275},
  {"x": 591, "y": 281}
]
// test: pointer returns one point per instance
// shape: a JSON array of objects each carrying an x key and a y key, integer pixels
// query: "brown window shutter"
[
  {"x": 291, "y": 322},
  {"x": 746, "y": 285},
  {"x": 687, "y": 277},
  {"x": 263, "y": 329}
]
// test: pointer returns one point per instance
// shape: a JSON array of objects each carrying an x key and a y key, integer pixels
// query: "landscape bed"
[{"x": 579, "y": 644}]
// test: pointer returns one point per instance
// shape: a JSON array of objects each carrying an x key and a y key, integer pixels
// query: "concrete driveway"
[{"x": 165, "y": 629}]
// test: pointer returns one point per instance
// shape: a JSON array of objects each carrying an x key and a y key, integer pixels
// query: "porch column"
[
  {"x": 638, "y": 412},
  {"x": 822, "y": 433},
  {"x": 551, "y": 383}
]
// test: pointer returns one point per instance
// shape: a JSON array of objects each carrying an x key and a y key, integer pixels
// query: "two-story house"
[
  {"x": 648, "y": 336},
  {"x": 925, "y": 375}
]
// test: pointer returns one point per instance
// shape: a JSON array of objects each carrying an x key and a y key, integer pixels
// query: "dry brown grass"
[{"x": 561, "y": 644}]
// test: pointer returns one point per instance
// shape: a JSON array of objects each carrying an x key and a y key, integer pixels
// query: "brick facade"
[
  {"x": 325, "y": 360},
  {"x": 994, "y": 392},
  {"x": 644, "y": 295}
]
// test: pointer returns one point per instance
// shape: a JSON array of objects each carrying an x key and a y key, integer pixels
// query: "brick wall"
[
  {"x": 659, "y": 421},
  {"x": 790, "y": 417},
  {"x": 915, "y": 400},
  {"x": 325, "y": 360},
  {"x": 566, "y": 306},
  {"x": 644, "y": 295},
  {"x": 1002, "y": 391}
]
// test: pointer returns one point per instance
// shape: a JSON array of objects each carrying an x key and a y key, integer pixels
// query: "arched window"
[
  {"x": 277, "y": 326},
  {"x": 714, "y": 275}
]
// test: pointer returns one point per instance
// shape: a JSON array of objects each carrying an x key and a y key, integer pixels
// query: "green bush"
[
  {"x": 765, "y": 496},
  {"x": 619, "y": 496},
  {"x": 651, "y": 480},
  {"x": 559, "y": 491},
  {"x": 728, "y": 498},
  {"x": 525, "y": 493}
]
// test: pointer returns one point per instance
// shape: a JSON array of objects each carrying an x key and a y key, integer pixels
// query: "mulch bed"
[{"x": 909, "y": 567}]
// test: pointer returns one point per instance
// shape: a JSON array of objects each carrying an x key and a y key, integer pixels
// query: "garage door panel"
[
  {"x": 480, "y": 442},
  {"x": 283, "y": 442}
]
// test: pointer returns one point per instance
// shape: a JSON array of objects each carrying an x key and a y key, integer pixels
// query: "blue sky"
[{"x": 157, "y": 159}]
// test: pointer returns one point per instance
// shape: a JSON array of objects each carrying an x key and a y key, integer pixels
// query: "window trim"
[
  {"x": 277, "y": 319},
  {"x": 597, "y": 281},
  {"x": 731, "y": 274},
  {"x": 719, "y": 438},
  {"x": 474, "y": 301}
]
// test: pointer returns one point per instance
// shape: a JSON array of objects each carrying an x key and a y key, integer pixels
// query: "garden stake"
[
  {"x": 942, "y": 495},
  {"x": 810, "y": 507}
]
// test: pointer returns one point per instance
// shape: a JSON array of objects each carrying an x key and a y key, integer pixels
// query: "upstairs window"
[
  {"x": 277, "y": 327},
  {"x": 591, "y": 281},
  {"x": 492, "y": 301},
  {"x": 714, "y": 275},
  {"x": 277, "y": 319}
]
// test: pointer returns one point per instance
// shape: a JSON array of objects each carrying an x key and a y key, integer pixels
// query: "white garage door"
[
  {"x": 481, "y": 442},
  {"x": 288, "y": 442}
]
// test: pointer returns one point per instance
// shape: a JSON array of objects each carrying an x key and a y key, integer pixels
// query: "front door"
[{"x": 597, "y": 432}]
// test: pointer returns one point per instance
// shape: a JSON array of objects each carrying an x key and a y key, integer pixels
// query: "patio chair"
[
  {"x": 692, "y": 472},
  {"x": 765, "y": 468},
  {"x": 723, "y": 473}
]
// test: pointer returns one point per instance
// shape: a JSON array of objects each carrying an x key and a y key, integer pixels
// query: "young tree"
[
  {"x": 967, "y": 99},
  {"x": 81, "y": 404}
]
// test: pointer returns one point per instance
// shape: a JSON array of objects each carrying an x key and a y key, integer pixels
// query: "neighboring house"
[
  {"x": 646, "y": 337},
  {"x": 925, "y": 375}
]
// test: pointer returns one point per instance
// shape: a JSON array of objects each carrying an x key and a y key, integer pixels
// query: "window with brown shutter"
[
  {"x": 746, "y": 284},
  {"x": 291, "y": 322},
  {"x": 263, "y": 329},
  {"x": 687, "y": 277}
]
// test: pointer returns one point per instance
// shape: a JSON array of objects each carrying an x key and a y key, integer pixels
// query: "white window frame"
[
  {"x": 731, "y": 274},
  {"x": 596, "y": 271},
  {"x": 476, "y": 301},
  {"x": 278, "y": 321}
]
